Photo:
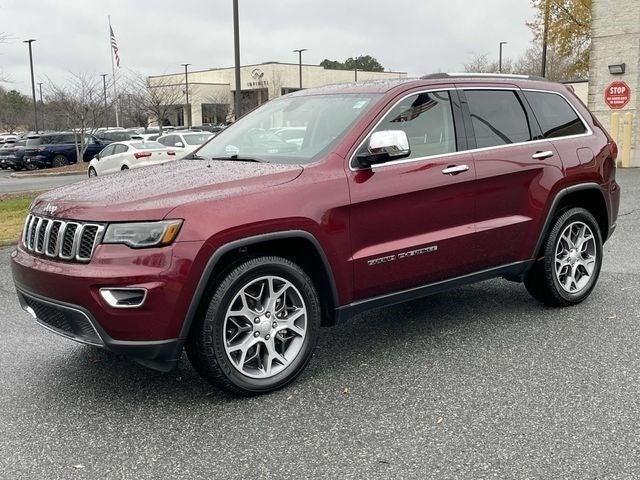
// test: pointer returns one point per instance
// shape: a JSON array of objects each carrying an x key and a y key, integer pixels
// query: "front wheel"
[
  {"x": 260, "y": 327},
  {"x": 92, "y": 172},
  {"x": 572, "y": 259}
]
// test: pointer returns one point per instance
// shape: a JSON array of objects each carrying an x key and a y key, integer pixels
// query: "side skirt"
[{"x": 513, "y": 271}]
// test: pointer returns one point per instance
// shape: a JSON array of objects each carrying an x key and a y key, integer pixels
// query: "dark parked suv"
[
  {"x": 58, "y": 150},
  {"x": 397, "y": 190}
]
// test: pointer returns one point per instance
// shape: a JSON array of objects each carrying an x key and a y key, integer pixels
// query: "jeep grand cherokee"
[{"x": 396, "y": 190}]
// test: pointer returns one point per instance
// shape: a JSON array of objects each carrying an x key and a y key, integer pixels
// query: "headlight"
[{"x": 143, "y": 234}]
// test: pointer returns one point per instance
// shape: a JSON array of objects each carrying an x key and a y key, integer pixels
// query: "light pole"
[
  {"x": 104, "y": 94},
  {"x": 545, "y": 38},
  {"x": 236, "y": 47},
  {"x": 300, "y": 50},
  {"x": 186, "y": 90},
  {"x": 33, "y": 84},
  {"x": 41, "y": 103},
  {"x": 500, "y": 57}
]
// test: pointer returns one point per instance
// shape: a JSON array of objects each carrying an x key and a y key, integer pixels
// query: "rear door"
[
  {"x": 516, "y": 170},
  {"x": 411, "y": 221}
]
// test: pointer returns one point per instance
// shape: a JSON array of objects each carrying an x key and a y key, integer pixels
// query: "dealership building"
[{"x": 212, "y": 92}]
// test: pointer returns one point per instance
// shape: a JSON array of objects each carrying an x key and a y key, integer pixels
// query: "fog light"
[{"x": 124, "y": 297}]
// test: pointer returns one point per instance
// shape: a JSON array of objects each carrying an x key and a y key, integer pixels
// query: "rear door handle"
[
  {"x": 455, "y": 169},
  {"x": 542, "y": 155}
]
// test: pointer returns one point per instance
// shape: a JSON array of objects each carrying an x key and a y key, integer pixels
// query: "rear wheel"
[
  {"x": 572, "y": 260},
  {"x": 60, "y": 161},
  {"x": 92, "y": 172},
  {"x": 124, "y": 167},
  {"x": 260, "y": 327}
]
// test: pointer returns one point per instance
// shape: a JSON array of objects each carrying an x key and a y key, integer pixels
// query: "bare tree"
[
  {"x": 81, "y": 101},
  {"x": 482, "y": 63},
  {"x": 154, "y": 97}
]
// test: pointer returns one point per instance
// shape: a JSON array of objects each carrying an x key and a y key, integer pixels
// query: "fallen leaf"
[
  {"x": 346, "y": 391},
  {"x": 78, "y": 466},
  {"x": 440, "y": 419}
]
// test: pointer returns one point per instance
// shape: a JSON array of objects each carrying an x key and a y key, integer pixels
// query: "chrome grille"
[{"x": 66, "y": 240}]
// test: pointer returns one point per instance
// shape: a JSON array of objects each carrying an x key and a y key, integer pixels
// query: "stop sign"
[{"x": 617, "y": 95}]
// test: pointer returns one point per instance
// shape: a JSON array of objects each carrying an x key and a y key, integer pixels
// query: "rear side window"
[
  {"x": 427, "y": 119},
  {"x": 34, "y": 142},
  {"x": 556, "y": 117},
  {"x": 498, "y": 117},
  {"x": 119, "y": 148}
]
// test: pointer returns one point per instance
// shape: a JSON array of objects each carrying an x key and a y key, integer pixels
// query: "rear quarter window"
[{"x": 556, "y": 117}]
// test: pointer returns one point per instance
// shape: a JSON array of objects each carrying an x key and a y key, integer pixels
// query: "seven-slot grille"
[{"x": 66, "y": 240}]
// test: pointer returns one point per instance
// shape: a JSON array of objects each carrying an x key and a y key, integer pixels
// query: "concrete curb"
[{"x": 45, "y": 174}]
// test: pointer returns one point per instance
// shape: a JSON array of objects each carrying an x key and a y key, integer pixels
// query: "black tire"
[
  {"x": 92, "y": 172},
  {"x": 59, "y": 161},
  {"x": 541, "y": 281},
  {"x": 124, "y": 167},
  {"x": 205, "y": 347}
]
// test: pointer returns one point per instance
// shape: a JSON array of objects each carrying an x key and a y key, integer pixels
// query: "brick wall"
[{"x": 616, "y": 39}]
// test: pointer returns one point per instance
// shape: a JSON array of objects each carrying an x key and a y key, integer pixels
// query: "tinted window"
[
  {"x": 427, "y": 119},
  {"x": 34, "y": 142},
  {"x": 168, "y": 140},
  {"x": 498, "y": 117},
  {"x": 556, "y": 117},
  {"x": 120, "y": 148}
]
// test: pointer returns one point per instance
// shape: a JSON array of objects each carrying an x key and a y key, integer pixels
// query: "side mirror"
[
  {"x": 179, "y": 144},
  {"x": 96, "y": 156},
  {"x": 385, "y": 146}
]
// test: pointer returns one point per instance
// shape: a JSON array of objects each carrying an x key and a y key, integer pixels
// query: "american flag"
[{"x": 114, "y": 45}]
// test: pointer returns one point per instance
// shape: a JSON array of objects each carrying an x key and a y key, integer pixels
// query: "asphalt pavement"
[
  {"x": 480, "y": 382},
  {"x": 9, "y": 184}
]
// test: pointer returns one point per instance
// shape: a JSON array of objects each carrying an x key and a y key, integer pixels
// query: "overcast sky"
[{"x": 415, "y": 36}]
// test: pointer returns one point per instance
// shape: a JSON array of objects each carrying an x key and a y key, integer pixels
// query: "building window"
[{"x": 215, "y": 112}]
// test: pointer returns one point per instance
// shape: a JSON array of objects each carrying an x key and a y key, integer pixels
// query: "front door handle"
[
  {"x": 455, "y": 169},
  {"x": 542, "y": 155}
]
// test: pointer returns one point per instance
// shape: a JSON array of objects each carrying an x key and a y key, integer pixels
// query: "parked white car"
[
  {"x": 132, "y": 154},
  {"x": 185, "y": 142}
]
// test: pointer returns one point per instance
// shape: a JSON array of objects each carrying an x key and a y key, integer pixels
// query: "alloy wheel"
[
  {"x": 265, "y": 327},
  {"x": 575, "y": 257}
]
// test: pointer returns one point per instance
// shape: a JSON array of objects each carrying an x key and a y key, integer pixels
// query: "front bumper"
[
  {"x": 65, "y": 298},
  {"x": 76, "y": 323}
]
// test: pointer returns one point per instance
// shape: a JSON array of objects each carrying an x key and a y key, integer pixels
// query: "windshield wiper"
[
  {"x": 238, "y": 159},
  {"x": 193, "y": 156}
]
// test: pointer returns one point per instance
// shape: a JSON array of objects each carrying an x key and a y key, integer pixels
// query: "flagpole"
[{"x": 113, "y": 71}]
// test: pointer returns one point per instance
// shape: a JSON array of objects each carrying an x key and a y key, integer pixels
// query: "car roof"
[{"x": 384, "y": 86}]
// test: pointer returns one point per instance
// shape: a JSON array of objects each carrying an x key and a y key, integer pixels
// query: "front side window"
[
  {"x": 106, "y": 151},
  {"x": 427, "y": 119},
  {"x": 498, "y": 117},
  {"x": 555, "y": 115},
  {"x": 322, "y": 120}
]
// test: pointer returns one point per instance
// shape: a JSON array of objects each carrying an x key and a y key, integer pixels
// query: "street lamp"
[
  {"x": 300, "y": 50},
  {"x": 33, "y": 84},
  {"x": 186, "y": 81},
  {"x": 41, "y": 103},
  {"x": 236, "y": 47},
  {"x": 104, "y": 90},
  {"x": 500, "y": 57}
]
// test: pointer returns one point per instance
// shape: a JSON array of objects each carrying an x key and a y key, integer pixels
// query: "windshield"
[
  {"x": 197, "y": 139},
  {"x": 318, "y": 121}
]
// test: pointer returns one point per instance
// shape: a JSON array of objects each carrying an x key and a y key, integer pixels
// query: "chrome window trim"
[{"x": 353, "y": 168}]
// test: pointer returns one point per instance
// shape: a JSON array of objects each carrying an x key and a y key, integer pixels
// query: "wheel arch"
[
  {"x": 586, "y": 195},
  {"x": 289, "y": 244}
]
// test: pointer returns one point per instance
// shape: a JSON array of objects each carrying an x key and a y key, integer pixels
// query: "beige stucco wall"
[
  {"x": 217, "y": 84},
  {"x": 616, "y": 39}
]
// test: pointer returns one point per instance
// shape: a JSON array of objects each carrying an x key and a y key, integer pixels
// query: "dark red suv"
[{"x": 317, "y": 206}]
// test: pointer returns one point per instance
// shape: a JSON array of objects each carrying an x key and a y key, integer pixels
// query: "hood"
[{"x": 150, "y": 193}]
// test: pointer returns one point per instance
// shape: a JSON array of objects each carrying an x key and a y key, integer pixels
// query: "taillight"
[
  {"x": 40, "y": 149},
  {"x": 170, "y": 152},
  {"x": 142, "y": 154}
]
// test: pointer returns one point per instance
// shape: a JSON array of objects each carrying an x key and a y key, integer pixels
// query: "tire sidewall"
[
  {"x": 571, "y": 216},
  {"x": 217, "y": 311},
  {"x": 60, "y": 161}
]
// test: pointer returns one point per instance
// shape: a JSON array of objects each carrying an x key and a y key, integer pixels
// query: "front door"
[{"x": 412, "y": 220}]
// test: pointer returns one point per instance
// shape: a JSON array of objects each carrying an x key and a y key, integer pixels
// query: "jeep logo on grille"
[{"x": 51, "y": 209}]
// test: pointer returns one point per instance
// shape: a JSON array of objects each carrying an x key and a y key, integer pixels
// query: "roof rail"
[{"x": 434, "y": 76}]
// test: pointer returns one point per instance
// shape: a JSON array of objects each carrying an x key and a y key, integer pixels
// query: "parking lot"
[
  {"x": 479, "y": 382},
  {"x": 10, "y": 184}
]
